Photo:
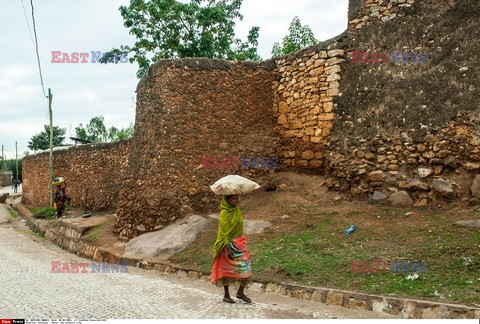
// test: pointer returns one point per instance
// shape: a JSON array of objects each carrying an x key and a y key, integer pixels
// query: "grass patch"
[
  {"x": 12, "y": 214},
  {"x": 95, "y": 233},
  {"x": 37, "y": 235},
  {"x": 201, "y": 256},
  {"x": 316, "y": 252},
  {"x": 43, "y": 212}
]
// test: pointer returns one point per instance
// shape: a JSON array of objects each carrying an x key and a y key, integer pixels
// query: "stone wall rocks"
[
  {"x": 187, "y": 109},
  {"x": 100, "y": 168}
]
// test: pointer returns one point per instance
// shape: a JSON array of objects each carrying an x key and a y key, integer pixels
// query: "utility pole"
[
  {"x": 3, "y": 160},
  {"x": 51, "y": 146},
  {"x": 16, "y": 157}
]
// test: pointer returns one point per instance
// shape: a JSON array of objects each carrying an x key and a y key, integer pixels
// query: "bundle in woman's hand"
[{"x": 233, "y": 185}]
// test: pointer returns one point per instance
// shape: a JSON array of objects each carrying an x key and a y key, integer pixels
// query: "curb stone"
[{"x": 67, "y": 238}]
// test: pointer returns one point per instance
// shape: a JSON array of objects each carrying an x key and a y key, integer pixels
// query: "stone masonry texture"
[
  {"x": 397, "y": 118},
  {"x": 100, "y": 168},
  {"x": 187, "y": 109}
]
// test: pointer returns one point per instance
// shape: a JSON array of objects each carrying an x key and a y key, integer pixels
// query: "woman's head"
[{"x": 232, "y": 200}]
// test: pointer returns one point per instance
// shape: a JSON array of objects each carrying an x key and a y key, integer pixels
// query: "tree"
[
  {"x": 115, "y": 134},
  {"x": 12, "y": 166},
  {"x": 172, "y": 29},
  {"x": 298, "y": 38},
  {"x": 94, "y": 131},
  {"x": 41, "y": 141}
]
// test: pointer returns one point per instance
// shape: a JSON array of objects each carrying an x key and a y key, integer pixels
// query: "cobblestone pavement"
[{"x": 28, "y": 289}]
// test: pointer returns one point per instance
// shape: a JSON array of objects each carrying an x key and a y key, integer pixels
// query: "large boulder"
[
  {"x": 476, "y": 187},
  {"x": 170, "y": 240},
  {"x": 443, "y": 188},
  {"x": 400, "y": 199}
]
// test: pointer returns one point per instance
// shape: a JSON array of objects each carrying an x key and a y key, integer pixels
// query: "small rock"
[
  {"x": 141, "y": 228},
  {"x": 377, "y": 176},
  {"x": 476, "y": 187},
  {"x": 463, "y": 69},
  {"x": 423, "y": 172},
  {"x": 284, "y": 216},
  {"x": 416, "y": 185},
  {"x": 471, "y": 166},
  {"x": 282, "y": 186},
  {"x": 409, "y": 213},
  {"x": 469, "y": 223},
  {"x": 422, "y": 202},
  {"x": 401, "y": 199},
  {"x": 186, "y": 210},
  {"x": 443, "y": 188},
  {"x": 337, "y": 198},
  {"x": 391, "y": 181},
  {"x": 438, "y": 170},
  {"x": 379, "y": 196},
  {"x": 450, "y": 162}
]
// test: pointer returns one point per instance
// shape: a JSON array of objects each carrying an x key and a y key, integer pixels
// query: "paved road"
[
  {"x": 28, "y": 289},
  {"x": 9, "y": 189}
]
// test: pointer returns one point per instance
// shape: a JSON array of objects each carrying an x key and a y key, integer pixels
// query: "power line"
[
  {"x": 45, "y": 110},
  {"x": 36, "y": 48},
  {"x": 28, "y": 23}
]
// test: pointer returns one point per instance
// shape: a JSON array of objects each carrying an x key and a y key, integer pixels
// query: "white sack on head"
[{"x": 234, "y": 185}]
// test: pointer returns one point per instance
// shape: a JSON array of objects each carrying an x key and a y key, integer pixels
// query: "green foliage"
[
  {"x": 9, "y": 165},
  {"x": 44, "y": 213},
  {"x": 172, "y": 29},
  {"x": 98, "y": 231},
  {"x": 41, "y": 141},
  {"x": 115, "y": 134},
  {"x": 298, "y": 38},
  {"x": 96, "y": 131},
  {"x": 13, "y": 215}
]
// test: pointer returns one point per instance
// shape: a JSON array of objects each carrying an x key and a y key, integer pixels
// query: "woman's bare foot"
[
  {"x": 228, "y": 299},
  {"x": 244, "y": 298}
]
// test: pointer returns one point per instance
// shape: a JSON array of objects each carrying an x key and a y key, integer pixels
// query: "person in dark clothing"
[
  {"x": 60, "y": 198},
  {"x": 16, "y": 183}
]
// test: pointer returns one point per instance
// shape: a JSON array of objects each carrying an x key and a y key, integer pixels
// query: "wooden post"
[
  {"x": 16, "y": 157},
  {"x": 51, "y": 146}
]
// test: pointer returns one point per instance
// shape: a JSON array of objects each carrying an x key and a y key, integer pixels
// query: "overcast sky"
[{"x": 82, "y": 91}]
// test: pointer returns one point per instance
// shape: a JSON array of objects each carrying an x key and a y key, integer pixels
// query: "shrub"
[{"x": 45, "y": 213}]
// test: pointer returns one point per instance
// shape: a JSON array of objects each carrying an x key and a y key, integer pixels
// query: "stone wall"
[
  {"x": 100, "y": 168},
  {"x": 396, "y": 118},
  {"x": 364, "y": 12},
  {"x": 187, "y": 109},
  {"x": 372, "y": 128},
  {"x": 306, "y": 86}
]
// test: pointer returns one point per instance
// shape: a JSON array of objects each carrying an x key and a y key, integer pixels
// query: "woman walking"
[{"x": 231, "y": 258}]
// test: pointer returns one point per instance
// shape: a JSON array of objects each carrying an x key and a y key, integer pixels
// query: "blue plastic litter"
[{"x": 350, "y": 230}]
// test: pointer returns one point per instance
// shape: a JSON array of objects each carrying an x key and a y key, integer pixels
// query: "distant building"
[
  {"x": 79, "y": 140},
  {"x": 6, "y": 178}
]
